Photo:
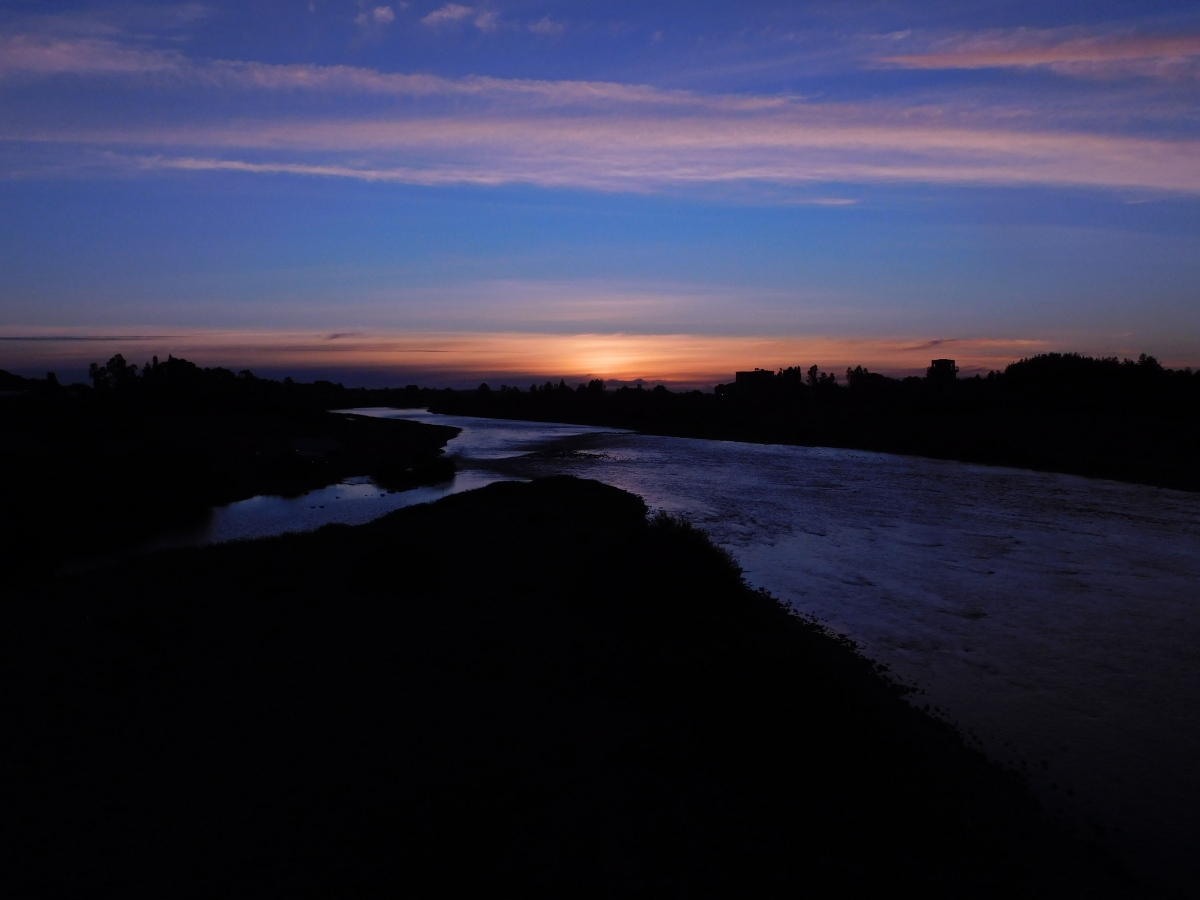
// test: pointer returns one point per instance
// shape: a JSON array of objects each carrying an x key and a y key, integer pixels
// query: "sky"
[{"x": 444, "y": 193}]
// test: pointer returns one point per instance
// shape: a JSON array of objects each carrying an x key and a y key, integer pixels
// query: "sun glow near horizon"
[
  {"x": 445, "y": 192},
  {"x": 457, "y": 358}
]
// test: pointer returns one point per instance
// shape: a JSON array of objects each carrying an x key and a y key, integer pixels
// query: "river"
[{"x": 1056, "y": 619}]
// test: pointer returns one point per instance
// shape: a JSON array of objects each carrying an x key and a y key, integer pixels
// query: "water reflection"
[
  {"x": 358, "y": 500},
  {"x": 1055, "y": 617},
  {"x": 353, "y": 502}
]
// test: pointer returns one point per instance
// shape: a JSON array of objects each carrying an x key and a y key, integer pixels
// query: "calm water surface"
[
  {"x": 1055, "y": 618},
  {"x": 358, "y": 500}
]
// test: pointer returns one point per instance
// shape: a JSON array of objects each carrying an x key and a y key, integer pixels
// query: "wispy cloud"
[
  {"x": 380, "y": 15},
  {"x": 826, "y": 201},
  {"x": 547, "y": 27},
  {"x": 33, "y": 55},
  {"x": 453, "y": 13},
  {"x": 92, "y": 338},
  {"x": 47, "y": 55},
  {"x": 1065, "y": 51},
  {"x": 637, "y": 153},
  {"x": 430, "y": 177},
  {"x": 486, "y": 20},
  {"x": 610, "y": 136},
  {"x": 932, "y": 345}
]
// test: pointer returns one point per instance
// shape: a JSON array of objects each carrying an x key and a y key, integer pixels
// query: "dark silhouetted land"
[
  {"x": 1122, "y": 419},
  {"x": 527, "y": 690},
  {"x": 85, "y": 471}
]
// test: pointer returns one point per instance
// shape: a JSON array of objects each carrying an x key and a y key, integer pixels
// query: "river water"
[{"x": 1056, "y": 619}]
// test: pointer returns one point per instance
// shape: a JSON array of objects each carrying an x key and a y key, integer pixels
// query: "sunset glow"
[
  {"x": 678, "y": 360},
  {"x": 660, "y": 192}
]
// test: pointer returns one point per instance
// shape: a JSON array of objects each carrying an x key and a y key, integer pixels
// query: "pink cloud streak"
[
  {"x": 1094, "y": 55},
  {"x": 622, "y": 137},
  {"x": 623, "y": 153},
  {"x": 34, "y": 56}
]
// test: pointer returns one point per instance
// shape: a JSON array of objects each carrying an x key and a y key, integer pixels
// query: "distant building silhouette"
[
  {"x": 758, "y": 380},
  {"x": 941, "y": 370}
]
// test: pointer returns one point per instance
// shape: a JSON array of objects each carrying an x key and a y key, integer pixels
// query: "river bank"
[
  {"x": 527, "y": 687},
  {"x": 1100, "y": 418},
  {"x": 1054, "y": 617},
  {"x": 86, "y": 473}
]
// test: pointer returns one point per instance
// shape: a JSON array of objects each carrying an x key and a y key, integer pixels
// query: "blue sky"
[{"x": 442, "y": 192}]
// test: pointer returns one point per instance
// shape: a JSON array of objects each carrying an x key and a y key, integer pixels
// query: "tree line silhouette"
[
  {"x": 1131, "y": 420},
  {"x": 143, "y": 449},
  {"x": 89, "y": 470}
]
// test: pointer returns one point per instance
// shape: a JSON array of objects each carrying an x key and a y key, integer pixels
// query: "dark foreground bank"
[{"x": 527, "y": 689}]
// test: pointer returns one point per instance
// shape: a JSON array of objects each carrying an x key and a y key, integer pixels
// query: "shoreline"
[
  {"x": 87, "y": 477},
  {"x": 1092, "y": 473},
  {"x": 599, "y": 694}
]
